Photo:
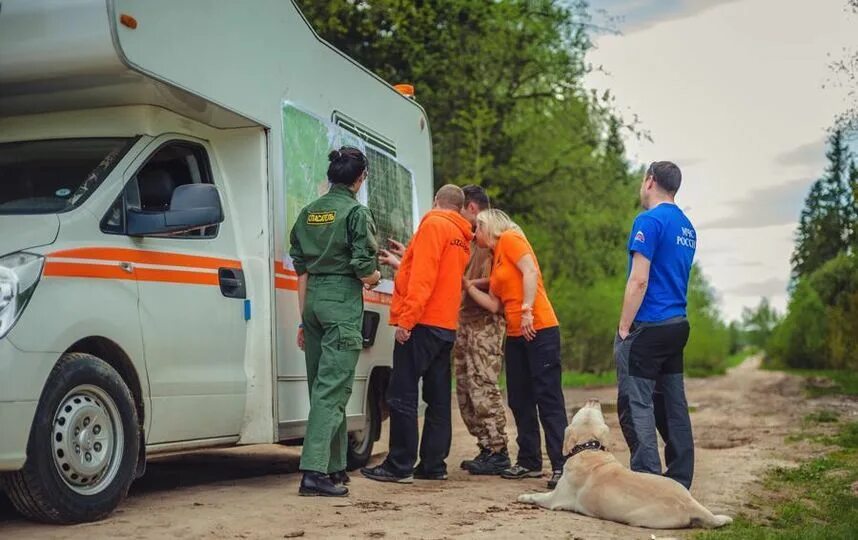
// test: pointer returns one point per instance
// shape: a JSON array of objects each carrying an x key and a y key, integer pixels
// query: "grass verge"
[
  {"x": 816, "y": 500},
  {"x": 824, "y": 382},
  {"x": 575, "y": 379}
]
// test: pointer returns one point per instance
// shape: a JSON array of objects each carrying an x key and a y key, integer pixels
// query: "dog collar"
[{"x": 589, "y": 445}]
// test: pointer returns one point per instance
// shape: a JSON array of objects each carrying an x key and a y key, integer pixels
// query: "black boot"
[
  {"x": 319, "y": 484},
  {"x": 340, "y": 478},
  {"x": 494, "y": 464},
  {"x": 484, "y": 453}
]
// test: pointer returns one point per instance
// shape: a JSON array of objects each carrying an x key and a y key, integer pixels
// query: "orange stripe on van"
[
  {"x": 145, "y": 257},
  {"x": 101, "y": 271},
  {"x": 286, "y": 283},
  {"x": 61, "y": 269}
]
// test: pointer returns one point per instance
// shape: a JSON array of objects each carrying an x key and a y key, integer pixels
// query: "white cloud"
[{"x": 739, "y": 88}]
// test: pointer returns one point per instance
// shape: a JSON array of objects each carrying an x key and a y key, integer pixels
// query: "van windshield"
[{"x": 48, "y": 177}]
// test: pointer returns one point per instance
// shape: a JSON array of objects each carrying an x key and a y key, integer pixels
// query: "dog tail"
[
  {"x": 721, "y": 520},
  {"x": 707, "y": 519}
]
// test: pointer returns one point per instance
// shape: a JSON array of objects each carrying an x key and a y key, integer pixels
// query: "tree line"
[
  {"x": 820, "y": 327},
  {"x": 502, "y": 84}
]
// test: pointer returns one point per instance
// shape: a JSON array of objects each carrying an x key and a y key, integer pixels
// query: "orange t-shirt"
[{"x": 506, "y": 283}]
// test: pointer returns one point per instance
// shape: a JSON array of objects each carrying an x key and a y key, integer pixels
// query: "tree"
[
  {"x": 821, "y": 327},
  {"x": 737, "y": 337},
  {"x": 799, "y": 341},
  {"x": 758, "y": 323},
  {"x": 827, "y": 223},
  {"x": 709, "y": 342}
]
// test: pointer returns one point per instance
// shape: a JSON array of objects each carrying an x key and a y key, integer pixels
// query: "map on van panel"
[{"x": 389, "y": 192}]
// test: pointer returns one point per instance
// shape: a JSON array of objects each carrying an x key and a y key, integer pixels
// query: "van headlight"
[{"x": 19, "y": 274}]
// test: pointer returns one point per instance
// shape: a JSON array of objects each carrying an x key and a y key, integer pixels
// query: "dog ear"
[
  {"x": 568, "y": 440},
  {"x": 602, "y": 435}
]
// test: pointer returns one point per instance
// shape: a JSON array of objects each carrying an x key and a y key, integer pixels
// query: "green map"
[
  {"x": 388, "y": 192},
  {"x": 390, "y": 197}
]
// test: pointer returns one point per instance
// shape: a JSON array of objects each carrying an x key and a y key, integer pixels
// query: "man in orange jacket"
[{"x": 425, "y": 312}]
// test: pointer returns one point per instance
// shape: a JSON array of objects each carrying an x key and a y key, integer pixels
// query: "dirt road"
[{"x": 740, "y": 421}]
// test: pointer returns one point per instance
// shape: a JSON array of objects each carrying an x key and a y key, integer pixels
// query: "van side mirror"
[{"x": 192, "y": 206}]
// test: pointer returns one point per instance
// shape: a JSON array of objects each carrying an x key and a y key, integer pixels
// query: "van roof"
[{"x": 83, "y": 58}]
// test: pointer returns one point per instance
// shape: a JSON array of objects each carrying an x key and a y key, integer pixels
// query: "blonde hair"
[{"x": 496, "y": 222}]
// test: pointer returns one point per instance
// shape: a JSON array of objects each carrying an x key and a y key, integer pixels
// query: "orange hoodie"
[{"x": 428, "y": 285}]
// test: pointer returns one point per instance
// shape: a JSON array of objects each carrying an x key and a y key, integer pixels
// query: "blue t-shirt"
[{"x": 665, "y": 236}]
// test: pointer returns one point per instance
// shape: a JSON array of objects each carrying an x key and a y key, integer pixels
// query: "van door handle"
[
  {"x": 231, "y": 282},
  {"x": 127, "y": 266}
]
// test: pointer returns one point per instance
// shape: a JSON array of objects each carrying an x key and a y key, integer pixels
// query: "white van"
[{"x": 153, "y": 156}]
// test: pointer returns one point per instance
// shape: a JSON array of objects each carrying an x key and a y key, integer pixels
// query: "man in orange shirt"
[{"x": 425, "y": 312}]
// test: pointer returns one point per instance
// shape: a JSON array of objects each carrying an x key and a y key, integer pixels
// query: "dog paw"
[{"x": 526, "y": 498}]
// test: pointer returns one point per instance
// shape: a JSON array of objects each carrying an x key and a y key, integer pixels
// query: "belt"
[{"x": 666, "y": 322}]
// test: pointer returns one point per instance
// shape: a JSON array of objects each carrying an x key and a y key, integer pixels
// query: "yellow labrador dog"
[{"x": 595, "y": 484}]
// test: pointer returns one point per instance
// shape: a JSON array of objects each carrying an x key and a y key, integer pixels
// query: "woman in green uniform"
[{"x": 334, "y": 251}]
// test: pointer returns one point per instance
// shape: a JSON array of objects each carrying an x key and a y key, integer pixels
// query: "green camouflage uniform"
[
  {"x": 477, "y": 360},
  {"x": 333, "y": 241}
]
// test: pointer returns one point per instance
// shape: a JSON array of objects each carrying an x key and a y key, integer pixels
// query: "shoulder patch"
[
  {"x": 321, "y": 218},
  {"x": 639, "y": 237}
]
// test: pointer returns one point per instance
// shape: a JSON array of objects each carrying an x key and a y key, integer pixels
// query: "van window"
[
  {"x": 390, "y": 196},
  {"x": 48, "y": 177},
  {"x": 151, "y": 189}
]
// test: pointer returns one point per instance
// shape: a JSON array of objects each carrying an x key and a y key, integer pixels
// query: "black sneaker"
[
  {"x": 484, "y": 453},
  {"x": 555, "y": 477},
  {"x": 420, "y": 474},
  {"x": 494, "y": 464},
  {"x": 316, "y": 484},
  {"x": 381, "y": 474},
  {"x": 517, "y": 472},
  {"x": 340, "y": 478}
]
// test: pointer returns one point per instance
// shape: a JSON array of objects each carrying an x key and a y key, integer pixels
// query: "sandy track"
[{"x": 740, "y": 421}]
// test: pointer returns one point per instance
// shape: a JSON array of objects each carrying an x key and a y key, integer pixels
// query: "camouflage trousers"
[{"x": 477, "y": 359}]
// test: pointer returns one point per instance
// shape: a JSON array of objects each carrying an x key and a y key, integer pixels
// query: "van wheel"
[
  {"x": 83, "y": 447},
  {"x": 361, "y": 442}
]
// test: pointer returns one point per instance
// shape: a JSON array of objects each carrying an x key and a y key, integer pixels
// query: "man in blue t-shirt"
[{"x": 653, "y": 330}]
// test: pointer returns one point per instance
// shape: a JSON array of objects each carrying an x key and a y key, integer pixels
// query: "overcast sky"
[{"x": 739, "y": 94}]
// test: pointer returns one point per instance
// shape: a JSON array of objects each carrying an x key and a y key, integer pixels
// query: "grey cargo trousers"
[{"x": 651, "y": 398}]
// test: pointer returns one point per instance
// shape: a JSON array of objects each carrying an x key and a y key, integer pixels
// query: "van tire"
[
  {"x": 82, "y": 393},
  {"x": 360, "y": 445}
]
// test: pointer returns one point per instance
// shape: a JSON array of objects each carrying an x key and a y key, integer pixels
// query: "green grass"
[
  {"x": 735, "y": 359},
  {"x": 718, "y": 368},
  {"x": 824, "y": 382},
  {"x": 830, "y": 382},
  {"x": 575, "y": 379},
  {"x": 822, "y": 417},
  {"x": 813, "y": 501}
]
